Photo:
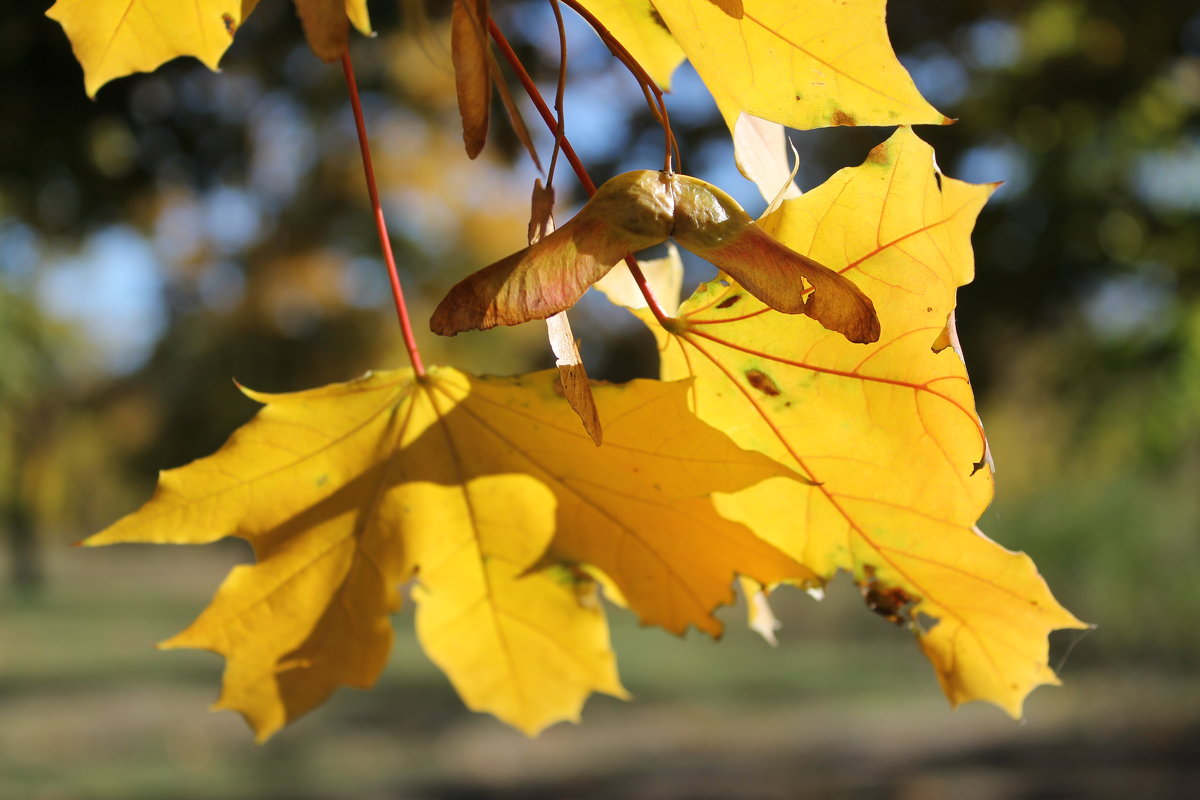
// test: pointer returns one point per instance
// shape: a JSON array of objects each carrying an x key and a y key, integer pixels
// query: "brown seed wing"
[
  {"x": 772, "y": 272},
  {"x": 534, "y": 283},
  {"x": 472, "y": 80}
]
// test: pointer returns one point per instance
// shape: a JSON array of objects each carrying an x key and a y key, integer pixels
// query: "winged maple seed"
[
  {"x": 473, "y": 82},
  {"x": 636, "y": 210}
]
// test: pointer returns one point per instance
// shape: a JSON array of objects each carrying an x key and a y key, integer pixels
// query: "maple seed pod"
[
  {"x": 628, "y": 213},
  {"x": 636, "y": 210},
  {"x": 712, "y": 225},
  {"x": 472, "y": 80}
]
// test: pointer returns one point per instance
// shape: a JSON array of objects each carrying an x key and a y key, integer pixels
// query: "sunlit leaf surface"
[
  {"x": 114, "y": 38},
  {"x": 802, "y": 63},
  {"x": 886, "y": 433},
  {"x": 462, "y": 483}
]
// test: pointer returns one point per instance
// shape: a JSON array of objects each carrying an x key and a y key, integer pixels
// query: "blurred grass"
[
  {"x": 90, "y": 710},
  {"x": 1122, "y": 552}
]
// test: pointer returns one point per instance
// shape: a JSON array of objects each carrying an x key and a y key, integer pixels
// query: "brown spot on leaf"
[
  {"x": 230, "y": 25},
  {"x": 878, "y": 154},
  {"x": 842, "y": 118},
  {"x": 892, "y": 603},
  {"x": 762, "y": 381},
  {"x": 729, "y": 302}
]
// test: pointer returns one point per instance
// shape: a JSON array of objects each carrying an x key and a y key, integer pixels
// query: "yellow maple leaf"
[
  {"x": 347, "y": 491},
  {"x": 637, "y": 26},
  {"x": 802, "y": 63},
  {"x": 887, "y": 433},
  {"x": 769, "y": 63},
  {"x": 114, "y": 38}
]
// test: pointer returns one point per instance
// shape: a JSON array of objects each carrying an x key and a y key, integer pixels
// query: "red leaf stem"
[
  {"x": 654, "y": 95},
  {"x": 385, "y": 244}
]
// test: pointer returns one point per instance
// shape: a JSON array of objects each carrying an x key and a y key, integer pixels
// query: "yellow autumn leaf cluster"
[
  {"x": 779, "y": 447},
  {"x": 487, "y": 493},
  {"x": 886, "y": 434}
]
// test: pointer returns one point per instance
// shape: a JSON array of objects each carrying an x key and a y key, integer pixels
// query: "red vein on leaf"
[
  {"x": 766, "y": 418},
  {"x": 918, "y": 387},
  {"x": 880, "y": 248},
  {"x": 800, "y": 461},
  {"x": 937, "y": 440},
  {"x": 833, "y": 499},
  {"x": 879, "y": 348},
  {"x": 385, "y": 244},
  {"x": 751, "y": 315},
  {"x": 716, "y": 299}
]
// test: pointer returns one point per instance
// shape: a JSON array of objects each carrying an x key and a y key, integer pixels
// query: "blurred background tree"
[{"x": 187, "y": 228}]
